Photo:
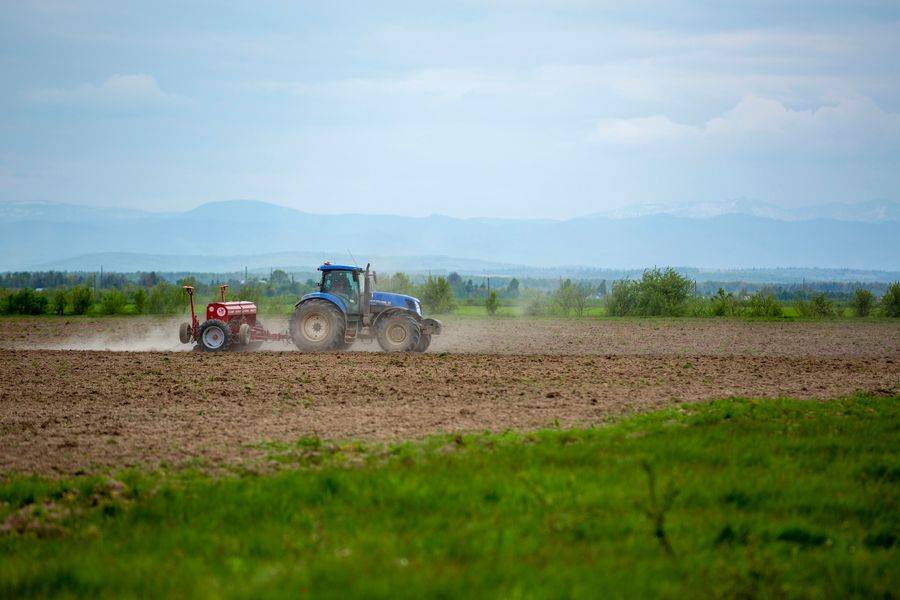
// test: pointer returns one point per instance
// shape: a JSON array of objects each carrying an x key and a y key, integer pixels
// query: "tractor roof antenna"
[{"x": 353, "y": 258}]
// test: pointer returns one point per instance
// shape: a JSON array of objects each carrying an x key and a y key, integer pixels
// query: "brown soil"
[
  {"x": 65, "y": 412},
  {"x": 709, "y": 337}
]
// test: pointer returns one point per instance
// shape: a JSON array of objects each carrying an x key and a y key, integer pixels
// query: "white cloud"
[
  {"x": 641, "y": 130},
  {"x": 855, "y": 119},
  {"x": 117, "y": 92}
]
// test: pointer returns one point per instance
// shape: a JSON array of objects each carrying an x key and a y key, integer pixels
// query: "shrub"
[
  {"x": 491, "y": 303},
  {"x": 437, "y": 295},
  {"x": 112, "y": 302},
  {"x": 537, "y": 306},
  {"x": 622, "y": 300},
  {"x": 164, "y": 298},
  {"x": 82, "y": 298},
  {"x": 764, "y": 304},
  {"x": 59, "y": 302},
  {"x": 140, "y": 301},
  {"x": 399, "y": 283},
  {"x": 658, "y": 293},
  {"x": 723, "y": 304},
  {"x": 571, "y": 297},
  {"x": 862, "y": 302},
  {"x": 25, "y": 302},
  {"x": 890, "y": 302},
  {"x": 819, "y": 306}
]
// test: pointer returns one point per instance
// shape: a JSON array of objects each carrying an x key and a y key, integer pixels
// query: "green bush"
[
  {"x": 890, "y": 302},
  {"x": 112, "y": 302},
  {"x": 724, "y": 304},
  {"x": 571, "y": 297},
  {"x": 25, "y": 302},
  {"x": 622, "y": 299},
  {"x": 862, "y": 303},
  {"x": 165, "y": 298},
  {"x": 437, "y": 295},
  {"x": 819, "y": 306},
  {"x": 82, "y": 299},
  {"x": 658, "y": 293},
  {"x": 399, "y": 283},
  {"x": 140, "y": 300},
  {"x": 491, "y": 303},
  {"x": 764, "y": 304},
  {"x": 59, "y": 302}
]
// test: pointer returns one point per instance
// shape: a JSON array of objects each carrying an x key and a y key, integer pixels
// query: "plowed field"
[{"x": 66, "y": 411}]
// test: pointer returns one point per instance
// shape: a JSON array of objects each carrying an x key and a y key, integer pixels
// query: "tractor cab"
[{"x": 344, "y": 282}]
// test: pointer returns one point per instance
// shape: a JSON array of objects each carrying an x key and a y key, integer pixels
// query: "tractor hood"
[{"x": 387, "y": 299}]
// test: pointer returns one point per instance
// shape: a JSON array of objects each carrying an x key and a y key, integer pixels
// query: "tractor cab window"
[{"x": 341, "y": 283}]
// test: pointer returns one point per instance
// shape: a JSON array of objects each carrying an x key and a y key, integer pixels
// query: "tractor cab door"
[{"x": 344, "y": 284}]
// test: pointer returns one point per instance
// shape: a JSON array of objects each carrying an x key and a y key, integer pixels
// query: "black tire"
[
  {"x": 184, "y": 333},
  {"x": 424, "y": 342},
  {"x": 244, "y": 334},
  {"x": 317, "y": 326},
  {"x": 214, "y": 336},
  {"x": 398, "y": 333}
]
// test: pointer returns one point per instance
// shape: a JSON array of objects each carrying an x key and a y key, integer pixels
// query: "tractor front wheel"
[
  {"x": 214, "y": 336},
  {"x": 399, "y": 333},
  {"x": 317, "y": 326}
]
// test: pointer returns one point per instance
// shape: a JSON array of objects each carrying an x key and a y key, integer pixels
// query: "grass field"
[{"x": 750, "y": 498}]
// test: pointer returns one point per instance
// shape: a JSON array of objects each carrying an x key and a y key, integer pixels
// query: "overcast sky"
[{"x": 503, "y": 108}]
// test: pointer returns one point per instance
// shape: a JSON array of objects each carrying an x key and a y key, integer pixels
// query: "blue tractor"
[{"x": 347, "y": 308}]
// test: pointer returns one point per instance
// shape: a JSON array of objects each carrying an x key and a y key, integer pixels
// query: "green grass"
[{"x": 768, "y": 498}]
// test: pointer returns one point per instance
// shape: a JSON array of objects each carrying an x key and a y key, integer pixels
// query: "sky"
[{"x": 498, "y": 108}]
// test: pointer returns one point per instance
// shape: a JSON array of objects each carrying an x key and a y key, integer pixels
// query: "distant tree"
[
  {"x": 571, "y": 296},
  {"x": 82, "y": 299},
  {"x": 819, "y": 306},
  {"x": 437, "y": 295},
  {"x": 623, "y": 298},
  {"x": 59, "y": 302},
  {"x": 890, "y": 302},
  {"x": 862, "y": 302},
  {"x": 165, "y": 298},
  {"x": 512, "y": 290},
  {"x": 25, "y": 302},
  {"x": 112, "y": 302},
  {"x": 492, "y": 303},
  {"x": 399, "y": 283},
  {"x": 601, "y": 289},
  {"x": 148, "y": 280},
  {"x": 140, "y": 300}
]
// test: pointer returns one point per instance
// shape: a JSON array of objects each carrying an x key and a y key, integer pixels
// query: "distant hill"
[
  {"x": 37, "y": 235},
  {"x": 871, "y": 211}
]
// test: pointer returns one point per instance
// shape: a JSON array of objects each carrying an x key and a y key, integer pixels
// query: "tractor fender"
[
  {"x": 394, "y": 311},
  {"x": 336, "y": 300}
]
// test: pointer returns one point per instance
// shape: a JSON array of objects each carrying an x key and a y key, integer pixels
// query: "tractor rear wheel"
[
  {"x": 317, "y": 326},
  {"x": 424, "y": 342},
  {"x": 214, "y": 336},
  {"x": 398, "y": 333}
]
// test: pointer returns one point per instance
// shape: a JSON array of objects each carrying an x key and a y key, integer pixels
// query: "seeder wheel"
[
  {"x": 185, "y": 333},
  {"x": 214, "y": 336}
]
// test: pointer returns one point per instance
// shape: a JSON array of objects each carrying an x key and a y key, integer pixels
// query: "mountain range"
[{"x": 48, "y": 235}]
